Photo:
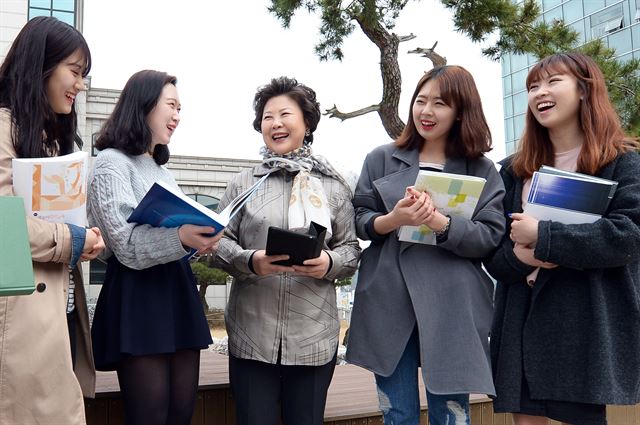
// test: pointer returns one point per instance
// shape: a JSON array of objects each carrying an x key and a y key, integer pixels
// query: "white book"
[
  {"x": 53, "y": 188},
  {"x": 452, "y": 194},
  {"x": 561, "y": 215}
]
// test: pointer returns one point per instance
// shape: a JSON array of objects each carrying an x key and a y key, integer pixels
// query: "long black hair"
[
  {"x": 127, "y": 129},
  {"x": 42, "y": 44}
]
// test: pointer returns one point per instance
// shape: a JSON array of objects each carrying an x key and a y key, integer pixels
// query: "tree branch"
[
  {"x": 335, "y": 113},
  {"x": 402, "y": 38},
  {"x": 430, "y": 53}
]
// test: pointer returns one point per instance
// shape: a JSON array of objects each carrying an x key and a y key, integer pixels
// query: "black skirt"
[
  {"x": 145, "y": 312},
  {"x": 508, "y": 401}
]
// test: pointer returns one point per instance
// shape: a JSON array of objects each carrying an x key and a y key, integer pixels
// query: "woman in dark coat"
[{"x": 566, "y": 333}]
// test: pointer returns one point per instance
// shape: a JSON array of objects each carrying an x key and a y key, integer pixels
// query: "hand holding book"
[
  {"x": 199, "y": 238},
  {"x": 264, "y": 264},
  {"x": 524, "y": 229},
  {"x": 450, "y": 194}
]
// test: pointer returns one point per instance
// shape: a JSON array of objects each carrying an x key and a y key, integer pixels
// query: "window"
[
  {"x": 97, "y": 272},
  {"x": 94, "y": 150},
  {"x": 607, "y": 21},
  {"x": 65, "y": 10},
  {"x": 549, "y": 4},
  {"x": 572, "y": 11},
  {"x": 506, "y": 84},
  {"x": 578, "y": 26},
  {"x": 621, "y": 41},
  {"x": 208, "y": 201}
]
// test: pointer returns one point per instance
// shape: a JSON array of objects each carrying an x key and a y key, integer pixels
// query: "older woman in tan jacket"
[{"x": 37, "y": 119}]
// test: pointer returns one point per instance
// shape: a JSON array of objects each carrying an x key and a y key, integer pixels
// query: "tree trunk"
[
  {"x": 391, "y": 76},
  {"x": 202, "y": 292}
]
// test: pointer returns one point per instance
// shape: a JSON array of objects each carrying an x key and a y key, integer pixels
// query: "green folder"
[{"x": 16, "y": 269}]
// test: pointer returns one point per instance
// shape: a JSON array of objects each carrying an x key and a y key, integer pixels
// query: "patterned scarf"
[{"x": 308, "y": 200}]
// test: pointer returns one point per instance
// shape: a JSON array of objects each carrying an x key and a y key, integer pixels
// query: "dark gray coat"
[
  {"x": 441, "y": 288},
  {"x": 580, "y": 338}
]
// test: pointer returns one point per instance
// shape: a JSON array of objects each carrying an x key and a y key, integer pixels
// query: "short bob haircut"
[
  {"x": 304, "y": 96},
  {"x": 42, "y": 44},
  {"x": 127, "y": 129},
  {"x": 469, "y": 136},
  {"x": 604, "y": 138}
]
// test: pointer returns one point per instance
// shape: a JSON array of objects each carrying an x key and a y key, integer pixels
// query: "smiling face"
[
  {"x": 65, "y": 82},
  {"x": 554, "y": 99},
  {"x": 165, "y": 116},
  {"x": 283, "y": 125},
  {"x": 432, "y": 117}
]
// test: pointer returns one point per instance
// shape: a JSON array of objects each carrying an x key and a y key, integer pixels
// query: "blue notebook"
[
  {"x": 568, "y": 197},
  {"x": 165, "y": 206}
]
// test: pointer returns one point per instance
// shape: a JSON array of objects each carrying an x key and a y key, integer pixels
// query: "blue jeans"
[{"x": 399, "y": 400}]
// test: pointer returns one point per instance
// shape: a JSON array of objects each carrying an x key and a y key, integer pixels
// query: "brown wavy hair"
[
  {"x": 469, "y": 136},
  {"x": 604, "y": 138}
]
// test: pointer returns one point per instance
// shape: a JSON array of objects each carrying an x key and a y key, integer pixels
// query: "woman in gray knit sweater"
[{"x": 149, "y": 325}]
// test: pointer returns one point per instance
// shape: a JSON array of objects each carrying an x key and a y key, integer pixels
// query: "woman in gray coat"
[
  {"x": 419, "y": 304},
  {"x": 282, "y": 321}
]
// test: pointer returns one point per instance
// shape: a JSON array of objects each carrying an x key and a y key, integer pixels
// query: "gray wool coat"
[
  {"x": 442, "y": 289},
  {"x": 576, "y": 333}
]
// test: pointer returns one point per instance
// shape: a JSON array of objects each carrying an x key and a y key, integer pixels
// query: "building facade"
[
  {"x": 616, "y": 22},
  {"x": 203, "y": 179}
]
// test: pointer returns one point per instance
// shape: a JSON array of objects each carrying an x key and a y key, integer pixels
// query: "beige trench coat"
[{"x": 37, "y": 382}]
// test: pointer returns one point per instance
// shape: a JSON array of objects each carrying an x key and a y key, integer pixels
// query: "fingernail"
[
  {"x": 509, "y": 215},
  {"x": 413, "y": 197}
]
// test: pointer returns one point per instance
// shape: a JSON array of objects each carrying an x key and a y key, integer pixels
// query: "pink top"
[{"x": 567, "y": 161}]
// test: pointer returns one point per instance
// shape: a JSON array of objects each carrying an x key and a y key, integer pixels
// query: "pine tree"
[{"x": 520, "y": 30}]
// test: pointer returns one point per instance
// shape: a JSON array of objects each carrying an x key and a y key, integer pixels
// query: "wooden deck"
[{"x": 352, "y": 400}]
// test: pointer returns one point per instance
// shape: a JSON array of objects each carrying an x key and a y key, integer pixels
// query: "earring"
[{"x": 307, "y": 133}]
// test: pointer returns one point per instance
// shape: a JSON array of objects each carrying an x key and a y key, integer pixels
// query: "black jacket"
[{"x": 576, "y": 333}]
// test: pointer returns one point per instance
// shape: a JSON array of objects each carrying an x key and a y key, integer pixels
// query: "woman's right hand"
[
  {"x": 93, "y": 244},
  {"x": 199, "y": 237},
  {"x": 263, "y": 263},
  {"x": 414, "y": 209}
]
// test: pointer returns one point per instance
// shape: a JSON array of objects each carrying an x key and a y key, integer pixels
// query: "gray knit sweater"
[{"x": 116, "y": 186}]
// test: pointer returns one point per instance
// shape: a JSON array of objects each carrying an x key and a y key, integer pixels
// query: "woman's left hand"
[
  {"x": 315, "y": 267},
  {"x": 526, "y": 255},
  {"x": 524, "y": 229}
]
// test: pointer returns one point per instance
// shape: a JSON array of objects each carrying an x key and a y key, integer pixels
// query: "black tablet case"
[{"x": 299, "y": 246}]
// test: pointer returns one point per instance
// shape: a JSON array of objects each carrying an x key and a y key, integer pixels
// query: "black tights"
[{"x": 159, "y": 389}]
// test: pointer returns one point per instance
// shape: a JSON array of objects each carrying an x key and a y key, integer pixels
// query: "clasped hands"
[
  {"x": 524, "y": 234},
  {"x": 263, "y": 265},
  {"x": 93, "y": 244},
  {"x": 417, "y": 208}
]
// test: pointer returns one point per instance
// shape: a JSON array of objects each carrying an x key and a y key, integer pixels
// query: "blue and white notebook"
[
  {"x": 567, "y": 197},
  {"x": 164, "y": 206}
]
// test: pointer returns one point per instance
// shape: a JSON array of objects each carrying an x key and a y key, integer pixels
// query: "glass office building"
[{"x": 617, "y": 23}]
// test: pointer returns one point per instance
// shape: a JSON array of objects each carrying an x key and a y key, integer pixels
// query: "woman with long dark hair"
[
  {"x": 40, "y": 78},
  {"x": 149, "y": 325}
]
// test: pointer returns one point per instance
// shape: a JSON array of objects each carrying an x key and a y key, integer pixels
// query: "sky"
[{"x": 222, "y": 52}]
